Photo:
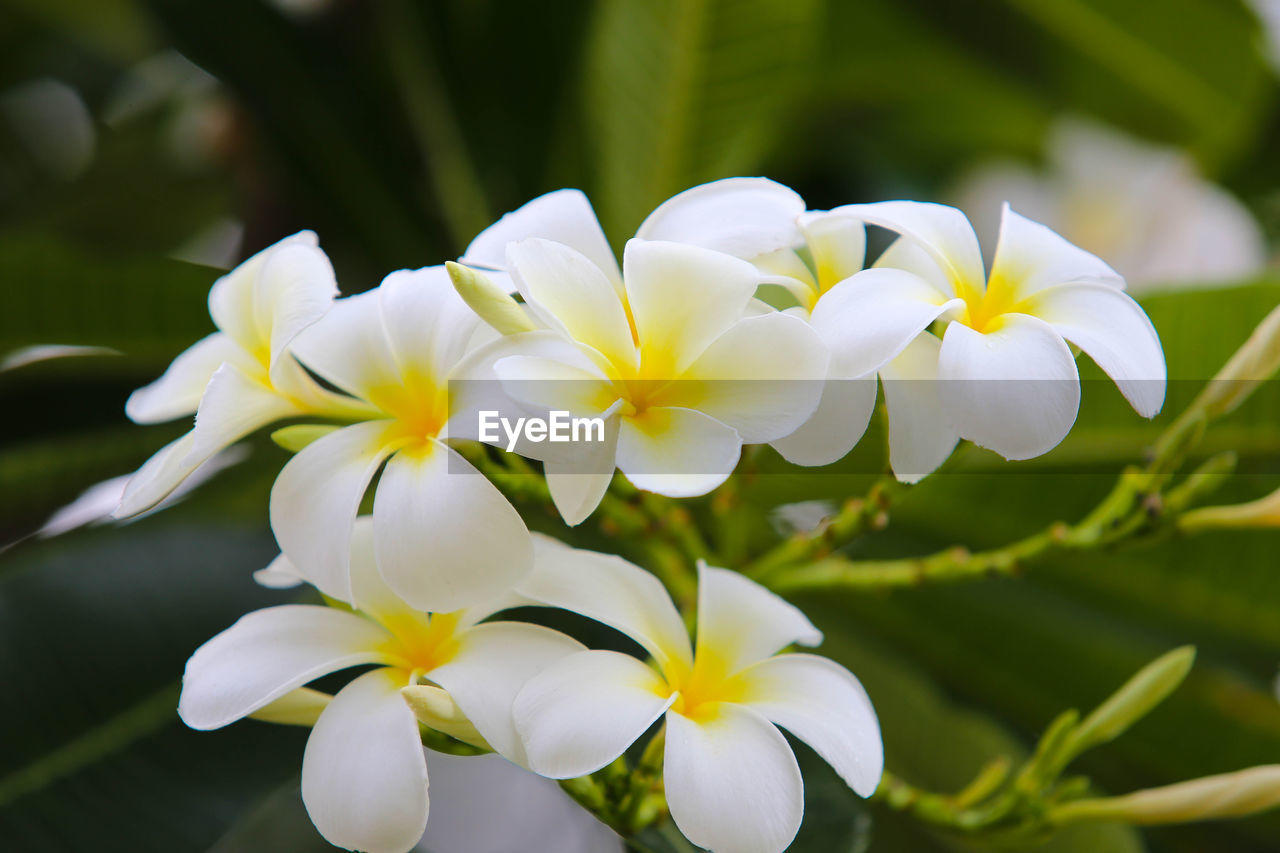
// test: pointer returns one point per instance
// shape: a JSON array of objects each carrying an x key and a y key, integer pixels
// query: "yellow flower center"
[
  {"x": 422, "y": 642},
  {"x": 703, "y": 687},
  {"x": 417, "y": 402},
  {"x": 984, "y": 310}
]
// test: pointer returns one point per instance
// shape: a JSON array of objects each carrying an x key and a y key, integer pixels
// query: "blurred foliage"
[{"x": 397, "y": 129}]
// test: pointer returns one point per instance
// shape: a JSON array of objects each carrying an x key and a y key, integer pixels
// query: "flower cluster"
[{"x": 679, "y": 358}]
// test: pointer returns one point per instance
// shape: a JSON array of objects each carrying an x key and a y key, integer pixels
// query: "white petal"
[
  {"x": 838, "y": 245},
  {"x": 608, "y": 589},
  {"x": 266, "y": 654},
  {"x": 677, "y": 452},
  {"x": 234, "y": 298},
  {"x": 295, "y": 289},
  {"x": 565, "y": 289},
  {"x": 315, "y": 499},
  {"x": 763, "y": 377},
  {"x": 578, "y": 486},
  {"x": 920, "y": 436},
  {"x": 942, "y": 231},
  {"x": 564, "y": 216},
  {"x": 835, "y": 426},
  {"x": 364, "y": 775},
  {"x": 906, "y": 254},
  {"x": 234, "y": 406},
  {"x": 585, "y": 710},
  {"x": 821, "y": 703},
  {"x": 683, "y": 298},
  {"x": 868, "y": 319},
  {"x": 741, "y": 622},
  {"x": 279, "y": 574},
  {"x": 492, "y": 663},
  {"x": 743, "y": 217},
  {"x": 427, "y": 324},
  {"x": 445, "y": 537},
  {"x": 536, "y": 814},
  {"x": 732, "y": 782},
  {"x": 349, "y": 346},
  {"x": 1014, "y": 390},
  {"x": 178, "y": 390},
  {"x": 1115, "y": 332},
  {"x": 1030, "y": 257},
  {"x": 158, "y": 477}
]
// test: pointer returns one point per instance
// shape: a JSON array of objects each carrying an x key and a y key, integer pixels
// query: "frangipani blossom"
[
  {"x": 444, "y": 537},
  {"x": 1143, "y": 208},
  {"x": 754, "y": 219},
  {"x": 732, "y": 783},
  {"x": 1005, "y": 375},
  {"x": 241, "y": 377},
  {"x": 670, "y": 358},
  {"x": 364, "y": 775},
  {"x": 761, "y": 221}
]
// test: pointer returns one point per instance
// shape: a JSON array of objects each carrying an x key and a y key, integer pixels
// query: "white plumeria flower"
[
  {"x": 364, "y": 775},
  {"x": 731, "y": 781},
  {"x": 1002, "y": 374},
  {"x": 669, "y": 358},
  {"x": 445, "y": 538},
  {"x": 761, "y": 221},
  {"x": 1143, "y": 208},
  {"x": 754, "y": 219},
  {"x": 241, "y": 377}
]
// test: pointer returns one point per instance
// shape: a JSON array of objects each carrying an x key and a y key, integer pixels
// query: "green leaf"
[
  {"x": 94, "y": 630},
  {"x": 684, "y": 91}
]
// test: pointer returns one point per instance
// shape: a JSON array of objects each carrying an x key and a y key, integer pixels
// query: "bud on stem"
[
  {"x": 300, "y": 707},
  {"x": 1228, "y": 795}
]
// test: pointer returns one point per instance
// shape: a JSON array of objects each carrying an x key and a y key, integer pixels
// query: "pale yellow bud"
[
  {"x": 490, "y": 302},
  {"x": 436, "y": 709},
  {"x": 294, "y": 438},
  {"x": 1228, "y": 795},
  {"x": 300, "y": 707},
  {"x": 1264, "y": 512},
  {"x": 1256, "y": 361}
]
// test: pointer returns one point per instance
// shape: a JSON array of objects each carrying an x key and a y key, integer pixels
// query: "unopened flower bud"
[
  {"x": 495, "y": 306},
  {"x": 1264, "y": 512},
  {"x": 300, "y": 707},
  {"x": 1257, "y": 360},
  {"x": 436, "y": 709},
  {"x": 1228, "y": 795}
]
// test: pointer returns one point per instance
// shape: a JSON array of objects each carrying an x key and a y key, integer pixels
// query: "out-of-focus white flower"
[
  {"x": 666, "y": 354},
  {"x": 49, "y": 352},
  {"x": 96, "y": 504},
  {"x": 1002, "y": 374},
  {"x": 242, "y": 377},
  {"x": 1142, "y": 208},
  {"x": 53, "y": 122},
  {"x": 364, "y": 776},
  {"x": 445, "y": 538},
  {"x": 732, "y": 783},
  {"x": 1268, "y": 14},
  {"x": 535, "y": 814}
]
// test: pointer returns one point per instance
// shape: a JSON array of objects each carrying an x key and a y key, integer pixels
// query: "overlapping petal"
[
  {"x": 682, "y": 298},
  {"x": 677, "y": 452},
  {"x": 364, "y": 774},
  {"x": 1030, "y": 257},
  {"x": 744, "y": 217},
  {"x": 741, "y": 622},
  {"x": 564, "y": 216},
  {"x": 316, "y": 497},
  {"x": 349, "y": 347},
  {"x": 732, "y": 782},
  {"x": 942, "y": 231},
  {"x": 920, "y": 435},
  {"x": 267, "y": 653},
  {"x": 492, "y": 663},
  {"x": 840, "y": 420},
  {"x": 1115, "y": 332},
  {"x": 1014, "y": 389},
  {"x": 821, "y": 703},
  {"x": 445, "y": 538},
  {"x": 585, "y": 710},
  {"x": 608, "y": 589},
  {"x": 869, "y": 318},
  {"x": 178, "y": 390}
]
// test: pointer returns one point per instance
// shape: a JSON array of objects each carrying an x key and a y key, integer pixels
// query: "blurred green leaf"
[{"x": 680, "y": 92}]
